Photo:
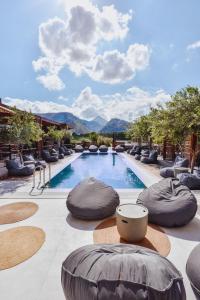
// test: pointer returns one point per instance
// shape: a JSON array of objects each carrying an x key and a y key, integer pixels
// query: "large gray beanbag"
[
  {"x": 93, "y": 148},
  {"x": 151, "y": 159},
  {"x": 167, "y": 172},
  {"x": 120, "y": 272},
  {"x": 119, "y": 148},
  {"x": 103, "y": 149},
  {"x": 137, "y": 156},
  {"x": 170, "y": 203},
  {"x": 16, "y": 168},
  {"x": 190, "y": 180},
  {"x": 193, "y": 267},
  {"x": 78, "y": 148},
  {"x": 92, "y": 199}
]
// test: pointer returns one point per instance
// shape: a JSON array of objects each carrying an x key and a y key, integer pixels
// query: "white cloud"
[
  {"x": 128, "y": 105},
  {"x": 194, "y": 45},
  {"x": 51, "y": 82},
  {"x": 115, "y": 67},
  {"x": 72, "y": 43},
  {"x": 62, "y": 98}
]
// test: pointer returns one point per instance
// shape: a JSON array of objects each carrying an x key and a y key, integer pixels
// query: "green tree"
[
  {"x": 184, "y": 110},
  {"x": 140, "y": 129},
  {"x": 93, "y": 137},
  {"x": 57, "y": 134},
  {"x": 22, "y": 129}
]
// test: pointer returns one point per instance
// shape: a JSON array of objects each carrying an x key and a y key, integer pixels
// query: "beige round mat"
[
  {"x": 106, "y": 232},
  {"x": 16, "y": 212},
  {"x": 19, "y": 244}
]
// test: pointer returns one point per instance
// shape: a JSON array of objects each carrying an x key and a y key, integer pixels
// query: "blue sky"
[{"x": 131, "y": 54}]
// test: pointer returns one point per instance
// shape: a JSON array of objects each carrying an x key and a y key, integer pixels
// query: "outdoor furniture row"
[
  {"x": 147, "y": 156},
  {"x": 28, "y": 164},
  {"x": 92, "y": 149}
]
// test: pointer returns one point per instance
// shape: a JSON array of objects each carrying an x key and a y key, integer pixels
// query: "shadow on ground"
[
  {"x": 81, "y": 224},
  {"x": 12, "y": 185},
  {"x": 190, "y": 232}
]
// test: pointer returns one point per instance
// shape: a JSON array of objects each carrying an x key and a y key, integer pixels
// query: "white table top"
[{"x": 131, "y": 210}]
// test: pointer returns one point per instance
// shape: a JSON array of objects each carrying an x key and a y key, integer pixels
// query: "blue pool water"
[{"x": 108, "y": 168}]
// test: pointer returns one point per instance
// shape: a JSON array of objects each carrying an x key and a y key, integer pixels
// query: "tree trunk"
[
  {"x": 164, "y": 150},
  {"x": 193, "y": 151}
]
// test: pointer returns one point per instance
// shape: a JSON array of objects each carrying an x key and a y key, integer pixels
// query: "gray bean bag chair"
[
  {"x": 78, "y": 148},
  {"x": 103, "y": 149},
  {"x": 170, "y": 204},
  {"x": 56, "y": 153},
  {"x": 16, "y": 168},
  {"x": 151, "y": 159},
  {"x": 64, "y": 151},
  {"x": 67, "y": 150},
  {"x": 193, "y": 269},
  {"x": 29, "y": 160},
  {"x": 93, "y": 148},
  {"x": 137, "y": 156},
  {"x": 92, "y": 199},
  {"x": 120, "y": 272},
  {"x": 169, "y": 171},
  {"x": 145, "y": 153},
  {"x": 49, "y": 157},
  {"x": 192, "y": 181},
  {"x": 119, "y": 148},
  {"x": 135, "y": 150}
]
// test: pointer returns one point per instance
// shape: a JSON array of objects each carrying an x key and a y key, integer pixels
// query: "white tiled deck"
[{"x": 39, "y": 277}]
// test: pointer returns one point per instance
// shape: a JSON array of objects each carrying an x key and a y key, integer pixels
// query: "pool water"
[{"x": 109, "y": 168}]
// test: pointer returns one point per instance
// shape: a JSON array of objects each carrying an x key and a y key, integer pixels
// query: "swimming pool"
[{"x": 109, "y": 168}]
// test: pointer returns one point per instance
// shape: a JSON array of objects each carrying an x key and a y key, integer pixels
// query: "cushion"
[
  {"x": 93, "y": 148},
  {"x": 103, "y": 148},
  {"x": 153, "y": 155},
  {"x": 151, "y": 159},
  {"x": 120, "y": 272},
  {"x": 181, "y": 162},
  {"x": 167, "y": 172},
  {"x": 92, "y": 199},
  {"x": 193, "y": 267},
  {"x": 53, "y": 151},
  {"x": 170, "y": 203},
  {"x": 137, "y": 156},
  {"x": 190, "y": 180},
  {"x": 78, "y": 148},
  {"x": 145, "y": 152},
  {"x": 28, "y": 157},
  {"x": 119, "y": 148},
  {"x": 13, "y": 164}
]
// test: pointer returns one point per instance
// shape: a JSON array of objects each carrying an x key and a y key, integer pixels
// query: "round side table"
[{"x": 132, "y": 220}]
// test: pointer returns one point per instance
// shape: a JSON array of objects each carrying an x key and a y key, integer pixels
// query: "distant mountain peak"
[
  {"x": 101, "y": 121},
  {"x": 81, "y": 126},
  {"x": 115, "y": 125}
]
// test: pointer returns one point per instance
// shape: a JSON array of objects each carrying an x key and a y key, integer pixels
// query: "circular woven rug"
[
  {"x": 156, "y": 239},
  {"x": 19, "y": 244},
  {"x": 15, "y": 212}
]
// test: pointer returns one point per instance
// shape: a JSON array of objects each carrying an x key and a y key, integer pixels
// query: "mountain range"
[{"x": 81, "y": 126}]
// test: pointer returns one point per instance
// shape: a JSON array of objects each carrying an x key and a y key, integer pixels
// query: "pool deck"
[{"x": 38, "y": 278}]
